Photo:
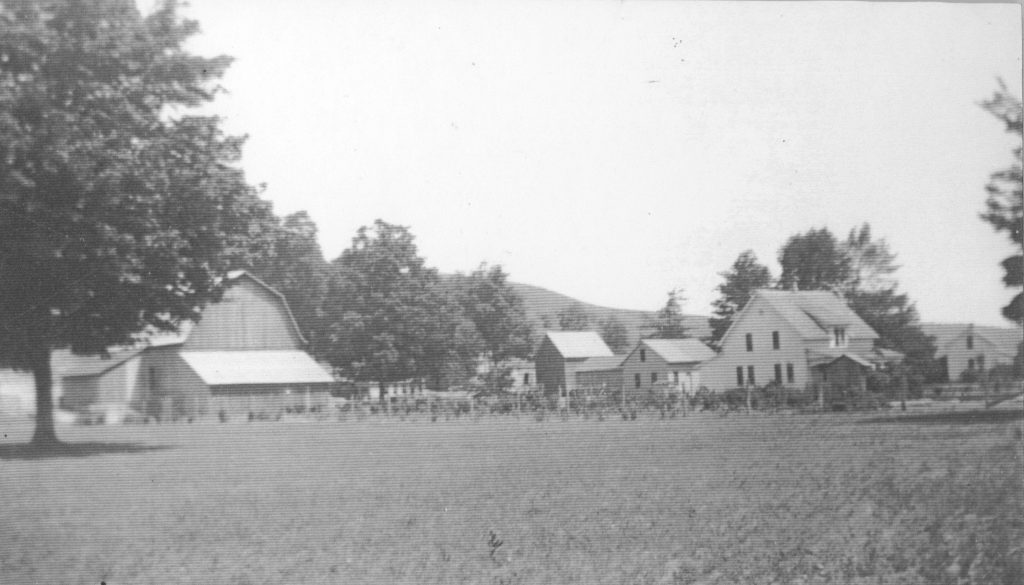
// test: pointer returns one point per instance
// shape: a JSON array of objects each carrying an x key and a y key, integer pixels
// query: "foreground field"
[{"x": 742, "y": 499}]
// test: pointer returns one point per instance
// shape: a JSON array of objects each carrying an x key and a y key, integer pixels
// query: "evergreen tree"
[
  {"x": 669, "y": 322},
  {"x": 1005, "y": 203}
]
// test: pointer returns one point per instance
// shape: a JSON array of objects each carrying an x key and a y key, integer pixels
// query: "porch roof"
[{"x": 821, "y": 358}]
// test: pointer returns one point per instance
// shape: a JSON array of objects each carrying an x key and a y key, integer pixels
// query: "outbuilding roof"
[
  {"x": 226, "y": 368},
  {"x": 675, "y": 351},
  {"x": 579, "y": 344}
]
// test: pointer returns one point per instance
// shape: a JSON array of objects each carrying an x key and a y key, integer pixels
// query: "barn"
[{"x": 245, "y": 355}]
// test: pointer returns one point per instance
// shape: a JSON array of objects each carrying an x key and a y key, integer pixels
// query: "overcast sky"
[{"x": 612, "y": 151}]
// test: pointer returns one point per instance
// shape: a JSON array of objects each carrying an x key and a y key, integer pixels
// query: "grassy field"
[{"x": 705, "y": 499}]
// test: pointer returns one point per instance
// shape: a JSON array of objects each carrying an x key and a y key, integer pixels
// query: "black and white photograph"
[{"x": 529, "y": 292}]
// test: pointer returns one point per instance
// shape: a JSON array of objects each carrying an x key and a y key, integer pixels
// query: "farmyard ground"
[{"x": 705, "y": 499}]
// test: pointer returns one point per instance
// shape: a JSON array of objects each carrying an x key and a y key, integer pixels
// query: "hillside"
[{"x": 541, "y": 302}]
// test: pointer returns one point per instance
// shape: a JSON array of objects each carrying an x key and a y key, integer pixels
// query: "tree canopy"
[
  {"x": 574, "y": 318},
  {"x": 119, "y": 210},
  {"x": 814, "y": 260},
  {"x": 382, "y": 307},
  {"x": 614, "y": 333},
  {"x": 496, "y": 309},
  {"x": 872, "y": 265},
  {"x": 1004, "y": 207},
  {"x": 744, "y": 277}
]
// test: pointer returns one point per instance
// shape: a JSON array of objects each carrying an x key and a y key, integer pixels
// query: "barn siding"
[
  {"x": 171, "y": 386},
  {"x": 248, "y": 317}
]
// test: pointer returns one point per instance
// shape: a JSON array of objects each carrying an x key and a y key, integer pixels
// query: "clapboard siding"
[{"x": 760, "y": 322}]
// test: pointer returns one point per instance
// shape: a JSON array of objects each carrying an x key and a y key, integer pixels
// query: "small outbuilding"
[{"x": 564, "y": 353}]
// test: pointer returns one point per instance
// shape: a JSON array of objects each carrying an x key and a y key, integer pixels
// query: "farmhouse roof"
[
  {"x": 579, "y": 344},
  {"x": 676, "y": 351},
  {"x": 226, "y": 368},
  {"x": 813, "y": 313}
]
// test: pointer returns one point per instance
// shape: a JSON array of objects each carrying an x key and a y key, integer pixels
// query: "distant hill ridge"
[{"x": 540, "y": 302}]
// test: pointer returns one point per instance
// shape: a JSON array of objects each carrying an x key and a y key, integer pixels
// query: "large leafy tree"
[
  {"x": 814, "y": 261},
  {"x": 383, "y": 309},
  {"x": 497, "y": 311},
  {"x": 669, "y": 321},
  {"x": 118, "y": 209},
  {"x": 1005, "y": 203},
  {"x": 744, "y": 277}
]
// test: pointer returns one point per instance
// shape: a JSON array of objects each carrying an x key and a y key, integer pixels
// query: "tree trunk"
[{"x": 45, "y": 434}]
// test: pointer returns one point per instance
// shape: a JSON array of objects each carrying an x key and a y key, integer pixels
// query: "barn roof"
[
  {"x": 66, "y": 364},
  {"x": 154, "y": 338},
  {"x": 226, "y": 368},
  {"x": 676, "y": 351},
  {"x": 579, "y": 344},
  {"x": 813, "y": 313}
]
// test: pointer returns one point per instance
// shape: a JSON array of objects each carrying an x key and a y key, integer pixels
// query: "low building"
[
  {"x": 969, "y": 349},
  {"x": 666, "y": 363}
]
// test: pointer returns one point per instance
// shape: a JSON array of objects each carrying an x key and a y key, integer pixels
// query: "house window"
[
  {"x": 970, "y": 342},
  {"x": 839, "y": 337},
  {"x": 750, "y": 376},
  {"x": 981, "y": 362},
  {"x": 739, "y": 375},
  {"x": 790, "y": 377},
  {"x": 643, "y": 355},
  {"x": 654, "y": 377},
  {"x": 526, "y": 379},
  {"x": 778, "y": 373},
  {"x": 775, "y": 340},
  {"x": 750, "y": 342},
  {"x": 675, "y": 377},
  {"x": 970, "y": 364},
  {"x": 636, "y": 379}
]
